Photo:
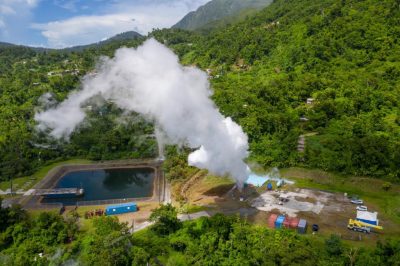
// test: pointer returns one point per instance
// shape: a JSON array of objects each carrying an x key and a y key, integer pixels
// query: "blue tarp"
[{"x": 256, "y": 180}]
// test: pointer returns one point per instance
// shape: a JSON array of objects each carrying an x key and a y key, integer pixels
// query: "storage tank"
[
  {"x": 271, "y": 220},
  {"x": 121, "y": 208},
  {"x": 279, "y": 221}
]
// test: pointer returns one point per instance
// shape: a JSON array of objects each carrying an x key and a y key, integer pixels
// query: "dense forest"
[
  {"x": 342, "y": 54},
  {"x": 35, "y": 80},
  {"x": 48, "y": 239}
]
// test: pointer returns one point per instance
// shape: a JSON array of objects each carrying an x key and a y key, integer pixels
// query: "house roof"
[
  {"x": 256, "y": 180},
  {"x": 128, "y": 204}
]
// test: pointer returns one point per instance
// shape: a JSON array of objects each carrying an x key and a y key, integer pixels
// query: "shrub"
[{"x": 387, "y": 186}]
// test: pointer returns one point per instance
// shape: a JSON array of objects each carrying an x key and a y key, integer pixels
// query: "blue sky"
[{"x": 64, "y": 23}]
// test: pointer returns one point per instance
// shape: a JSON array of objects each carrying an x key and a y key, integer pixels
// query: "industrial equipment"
[{"x": 361, "y": 226}]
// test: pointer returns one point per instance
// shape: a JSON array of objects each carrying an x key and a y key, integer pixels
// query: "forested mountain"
[
  {"x": 345, "y": 55},
  {"x": 125, "y": 36},
  {"x": 25, "y": 76},
  {"x": 5, "y": 44},
  {"x": 217, "y": 11},
  {"x": 326, "y": 72}
]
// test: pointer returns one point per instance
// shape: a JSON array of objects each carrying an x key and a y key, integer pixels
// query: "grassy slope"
[
  {"x": 217, "y": 10},
  {"x": 40, "y": 174},
  {"x": 313, "y": 52}
]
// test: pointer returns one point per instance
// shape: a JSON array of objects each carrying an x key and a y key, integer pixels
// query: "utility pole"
[{"x": 11, "y": 186}]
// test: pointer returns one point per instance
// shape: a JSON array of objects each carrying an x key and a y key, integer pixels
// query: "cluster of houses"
[{"x": 74, "y": 72}]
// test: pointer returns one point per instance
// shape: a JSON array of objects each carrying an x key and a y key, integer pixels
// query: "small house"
[
  {"x": 279, "y": 221},
  {"x": 271, "y": 220},
  {"x": 294, "y": 223},
  {"x": 302, "y": 226},
  {"x": 291, "y": 222},
  {"x": 121, "y": 208}
]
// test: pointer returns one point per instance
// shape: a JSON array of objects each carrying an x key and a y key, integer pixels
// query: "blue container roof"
[
  {"x": 256, "y": 180},
  {"x": 280, "y": 219},
  {"x": 129, "y": 204},
  {"x": 302, "y": 223}
]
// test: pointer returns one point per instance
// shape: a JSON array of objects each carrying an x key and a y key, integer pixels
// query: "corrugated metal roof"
[
  {"x": 256, "y": 180},
  {"x": 280, "y": 219},
  {"x": 369, "y": 216},
  {"x": 302, "y": 223},
  {"x": 128, "y": 204}
]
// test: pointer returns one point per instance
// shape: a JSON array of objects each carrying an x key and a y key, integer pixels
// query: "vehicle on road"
[
  {"x": 362, "y": 208},
  {"x": 357, "y": 201}
]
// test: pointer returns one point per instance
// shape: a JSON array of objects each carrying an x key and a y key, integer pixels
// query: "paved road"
[
  {"x": 193, "y": 216},
  {"x": 181, "y": 217}
]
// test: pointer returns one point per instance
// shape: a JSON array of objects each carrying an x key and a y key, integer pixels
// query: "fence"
[{"x": 44, "y": 206}]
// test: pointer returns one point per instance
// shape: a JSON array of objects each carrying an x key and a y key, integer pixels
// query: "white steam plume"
[{"x": 149, "y": 80}]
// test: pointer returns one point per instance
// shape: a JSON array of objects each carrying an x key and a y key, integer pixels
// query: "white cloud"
[
  {"x": 14, "y": 15},
  {"x": 84, "y": 29},
  {"x": 70, "y": 5},
  {"x": 6, "y": 10},
  {"x": 29, "y": 3},
  {"x": 141, "y": 16}
]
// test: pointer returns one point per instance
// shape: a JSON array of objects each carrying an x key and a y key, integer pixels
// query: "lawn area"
[
  {"x": 369, "y": 189},
  {"x": 17, "y": 183},
  {"x": 39, "y": 175}
]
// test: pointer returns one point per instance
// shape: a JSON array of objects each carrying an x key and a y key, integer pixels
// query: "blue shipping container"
[
  {"x": 121, "y": 208},
  {"x": 279, "y": 221}
]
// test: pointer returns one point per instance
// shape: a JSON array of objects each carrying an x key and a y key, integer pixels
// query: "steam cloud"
[{"x": 149, "y": 80}]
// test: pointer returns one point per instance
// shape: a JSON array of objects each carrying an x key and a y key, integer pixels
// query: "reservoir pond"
[{"x": 107, "y": 184}]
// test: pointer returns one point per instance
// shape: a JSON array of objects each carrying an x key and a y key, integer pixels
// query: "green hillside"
[
  {"x": 314, "y": 84},
  {"x": 344, "y": 55},
  {"x": 125, "y": 36},
  {"x": 27, "y": 74},
  {"x": 219, "y": 12}
]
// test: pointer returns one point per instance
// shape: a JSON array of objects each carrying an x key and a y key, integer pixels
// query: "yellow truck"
[{"x": 361, "y": 226}]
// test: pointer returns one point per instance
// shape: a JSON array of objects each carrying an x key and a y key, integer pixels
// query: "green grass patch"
[
  {"x": 35, "y": 213},
  {"x": 41, "y": 173},
  {"x": 217, "y": 180},
  {"x": 19, "y": 182},
  {"x": 189, "y": 209}
]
